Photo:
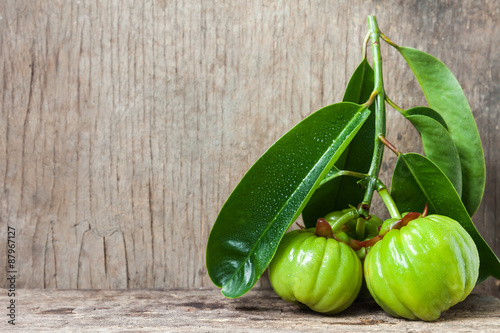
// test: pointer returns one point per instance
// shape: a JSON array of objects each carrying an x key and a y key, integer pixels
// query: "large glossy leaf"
[
  {"x": 444, "y": 94},
  {"x": 272, "y": 194},
  {"x": 417, "y": 181},
  {"x": 437, "y": 142},
  {"x": 339, "y": 193}
]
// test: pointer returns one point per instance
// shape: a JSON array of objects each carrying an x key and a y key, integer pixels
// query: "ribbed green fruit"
[
  {"x": 422, "y": 269},
  {"x": 314, "y": 272}
]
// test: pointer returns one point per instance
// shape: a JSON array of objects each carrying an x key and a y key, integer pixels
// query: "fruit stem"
[
  {"x": 388, "y": 201},
  {"x": 380, "y": 120},
  {"x": 353, "y": 214},
  {"x": 360, "y": 228}
]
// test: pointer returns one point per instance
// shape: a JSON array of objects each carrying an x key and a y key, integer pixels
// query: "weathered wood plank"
[
  {"x": 124, "y": 125},
  {"x": 208, "y": 311}
]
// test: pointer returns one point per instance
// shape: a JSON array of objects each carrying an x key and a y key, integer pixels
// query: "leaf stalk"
[{"x": 344, "y": 219}]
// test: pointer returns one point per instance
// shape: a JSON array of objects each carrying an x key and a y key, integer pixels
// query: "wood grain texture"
[
  {"x": 208, "y": 311},
  {"x": 125, "y": 125}
]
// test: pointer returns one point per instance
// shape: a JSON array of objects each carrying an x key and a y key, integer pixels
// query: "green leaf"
[
  {"x": 360, "y": 84},
  {"x": 437, "y": 142},
  {"x": 272, "y": 194},
  {"x": 424, "y": 111},
  {"x": 417, "y": 181},
  {"x": 339, "y": 193},
  {"x": 444, "y": 94}
]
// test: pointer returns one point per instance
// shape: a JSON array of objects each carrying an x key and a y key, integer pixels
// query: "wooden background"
[{"x": 124, "y": 125}]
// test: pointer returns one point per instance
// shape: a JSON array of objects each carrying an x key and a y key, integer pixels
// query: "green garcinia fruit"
[
  {"x": 422, "y": 269},
  {"x": 315, "y": 272}
]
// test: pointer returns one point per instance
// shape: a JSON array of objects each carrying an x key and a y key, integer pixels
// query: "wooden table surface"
[{"x": 206, "y": 310}]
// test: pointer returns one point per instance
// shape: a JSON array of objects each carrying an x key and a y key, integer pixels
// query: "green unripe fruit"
[
  {"x": 372, "y": 226},
  {"x": 422, "y": 269},
  {"x": 314, "y": 272}
]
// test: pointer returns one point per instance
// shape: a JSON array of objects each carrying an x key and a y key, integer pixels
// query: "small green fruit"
[{"x": 314, "y": 272}]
